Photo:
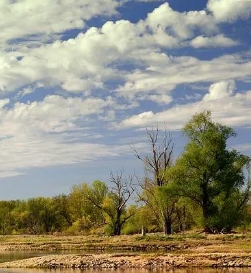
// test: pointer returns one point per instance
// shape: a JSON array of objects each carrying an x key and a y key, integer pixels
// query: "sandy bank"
[{"x": 133, "y": 261}]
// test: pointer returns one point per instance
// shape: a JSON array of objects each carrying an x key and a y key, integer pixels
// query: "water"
[{"x": 8, "y": 256}]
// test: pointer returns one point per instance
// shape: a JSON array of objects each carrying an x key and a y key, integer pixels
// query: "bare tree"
[
  {"x": 115, "y": 203},
  {"x": 156, "y": 163},
  {"x": 160, "y": 158},
  {"x": 120, "y": 194}
]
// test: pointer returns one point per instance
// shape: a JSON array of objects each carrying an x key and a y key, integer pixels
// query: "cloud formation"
[
  {"x": 228, "y": 108},
  {"x": 229, "y": 10},
  {"x": 70, "y": 87},
  {"x": 215, "y": 41},
  {"x": 26, "y": 18}
]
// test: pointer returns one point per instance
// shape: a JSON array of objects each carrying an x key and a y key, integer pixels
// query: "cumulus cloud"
[
  {"x": 136, "y": 61},
  {"x": 50, "y": 17},
  {"x": 229, "y": 10},
  {"x": 228, "y": 108},
  {"x": 182, "y": 24},
  {"x": 215, "y": 41},
  {"x": 103, "y": 73},
  {"x": 220, "y": 90}
]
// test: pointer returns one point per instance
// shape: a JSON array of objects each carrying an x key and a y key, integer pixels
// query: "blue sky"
[{"x": 81, "y": 80}]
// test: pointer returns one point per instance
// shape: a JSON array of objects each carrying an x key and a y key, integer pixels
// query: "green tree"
[
  {"x": 83, "y": 205},
  {"x": 61, "y": 205},
  {"x": 210, "y": 174},
  {"x": 6, "y": 216},
  {"x": 39, "y": 216},
  {"x": 142, "y": 218},
  {"x": 83, "y": 200}
]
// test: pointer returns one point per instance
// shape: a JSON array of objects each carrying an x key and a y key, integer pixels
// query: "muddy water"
[{"x": 8, "y": 256}]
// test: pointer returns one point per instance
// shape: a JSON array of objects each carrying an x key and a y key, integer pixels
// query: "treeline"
[{"x": 207, "y": 187}]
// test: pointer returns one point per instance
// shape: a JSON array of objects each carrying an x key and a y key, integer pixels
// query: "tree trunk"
[
  {"x": 167, "y": 227},
  {"x": 205, "y": 207},
  {"x": 117, "y": 229}
]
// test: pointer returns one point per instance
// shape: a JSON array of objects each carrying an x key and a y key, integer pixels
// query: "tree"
[
  {"x": 40, "y": 216},
  {"x": 6, "y": 216},
  {"x": 156, "y": 192},
  {"x": 142, "y": 221},
  {"x": 210, "y": 174},
  {"x": 83, "y": 204},
  {"x": 114, "y": 203},
  {"x": 61, "y": 204}
]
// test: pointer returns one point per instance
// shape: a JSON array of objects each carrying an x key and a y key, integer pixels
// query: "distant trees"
[{"x": 207, "y": 186}]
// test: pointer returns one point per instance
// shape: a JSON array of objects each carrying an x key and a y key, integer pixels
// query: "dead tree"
[
  {"x": 120, "y": 194},
  {"x": 114, "y": 205},
  {"x": 156, "y": 163}
]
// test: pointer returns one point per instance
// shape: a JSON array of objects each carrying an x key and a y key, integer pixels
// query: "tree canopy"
[{"x": 210, "y": 174}]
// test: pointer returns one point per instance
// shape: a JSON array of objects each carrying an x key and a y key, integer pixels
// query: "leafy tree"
[
  {"x": 83, "y": 204},
  {"x": 6, "y": 217},
  {"x": 61, "y": 204},
  {"x": 40, "y": 216},
  {"x": 142, "y": 218},
  {"x": 210, "y": 174}
]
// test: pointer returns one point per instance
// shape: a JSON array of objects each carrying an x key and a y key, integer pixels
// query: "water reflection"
[{"x": 8, "y": 256}]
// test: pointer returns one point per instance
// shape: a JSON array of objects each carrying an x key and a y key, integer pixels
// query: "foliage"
[{"x": 211, "y": 175}]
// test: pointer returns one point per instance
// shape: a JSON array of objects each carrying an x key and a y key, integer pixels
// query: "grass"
[{"x": 184, "y": 243}]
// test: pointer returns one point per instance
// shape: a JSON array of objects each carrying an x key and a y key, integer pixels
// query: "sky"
[{"x": 81, "y": 80}]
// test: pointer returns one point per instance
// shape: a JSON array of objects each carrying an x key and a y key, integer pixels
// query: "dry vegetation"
[{"x": 185, "y": 243}]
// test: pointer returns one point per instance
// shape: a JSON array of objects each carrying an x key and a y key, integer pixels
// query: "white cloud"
[
  {"x": 21, "y": 153},
  {"x": 229, "y": 10},
  {"x": 101, "y": 55},
  {"x": 215, "y": 41},
  {"x": 24, "y": 18},
  {"x": 55, "y": 131},
  {"x": 220, "y": 90},
  {"x": 53, "y": 114},
  {"x": 182, "y": 24},
  {"x": 166, "y": 72},
  {"x": 228, "y": 108},
  {"x": 162, "y": 99},
  {"x": 111, "y": 69},
  {"x": 244, "y": 148}
]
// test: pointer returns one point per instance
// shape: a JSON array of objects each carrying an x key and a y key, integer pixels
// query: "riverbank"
[
  {"x": 125, "y": 261},
  {"x": 182, "y": 243},
  {"x": 151, "y": 251}
]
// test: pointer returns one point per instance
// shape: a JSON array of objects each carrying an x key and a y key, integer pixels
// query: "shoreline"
[
  {"x": 126, "y": 261},
  {"x": 130, "y": 251}
]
